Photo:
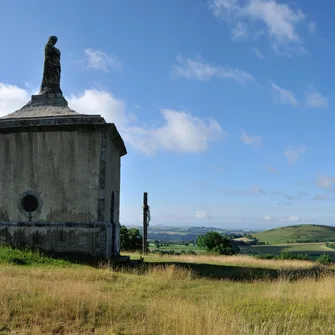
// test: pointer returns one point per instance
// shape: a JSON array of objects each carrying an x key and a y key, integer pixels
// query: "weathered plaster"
[
  {"x": 71, "y": 162},
  {"x": 63, "y": 167}
]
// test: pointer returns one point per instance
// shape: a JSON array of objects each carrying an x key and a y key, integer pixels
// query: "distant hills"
[
  {"x": 297, "y": 233},
  {"x": 184, "y": 234}
]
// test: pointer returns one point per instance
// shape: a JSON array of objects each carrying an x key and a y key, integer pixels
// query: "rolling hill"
[{"x": 306, "y": 233}]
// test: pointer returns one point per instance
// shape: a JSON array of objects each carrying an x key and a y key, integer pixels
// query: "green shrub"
[
  {"x": 285, "y": 255},
  {"x": 302, "y": 257},
  {"x": 324, "y": 259}
]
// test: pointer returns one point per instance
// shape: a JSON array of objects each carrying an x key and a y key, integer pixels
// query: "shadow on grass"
[
  {"x": 200, "y": 270},
  {"x": 227, "y": 272},
  {"x": 29, "y": 256}
]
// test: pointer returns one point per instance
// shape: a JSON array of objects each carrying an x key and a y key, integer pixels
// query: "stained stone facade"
[{"x": 60, "y": 179}]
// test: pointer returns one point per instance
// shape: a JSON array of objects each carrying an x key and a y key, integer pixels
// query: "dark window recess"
[
  {"x": 112, "y": 221},
  {"x": 29, "y": 203},
  {"x": 112, "y": 207}
]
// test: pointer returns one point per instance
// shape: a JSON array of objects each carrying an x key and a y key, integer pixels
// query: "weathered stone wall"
[
  {"x": 69, "y": 239},
  {"x": 112, "y": 184},
  {"x": 62, "y": 167}
]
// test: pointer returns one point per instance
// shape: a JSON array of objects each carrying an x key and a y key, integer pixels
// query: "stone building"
[{"x": 60, "y": 177}]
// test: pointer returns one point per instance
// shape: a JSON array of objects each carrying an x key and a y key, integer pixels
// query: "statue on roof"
[{"x": 52, "y": 68}]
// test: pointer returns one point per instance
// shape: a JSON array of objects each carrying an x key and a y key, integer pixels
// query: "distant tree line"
[{"x": 311, "y": 240}]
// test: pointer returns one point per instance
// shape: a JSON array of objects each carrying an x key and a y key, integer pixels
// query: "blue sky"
[{"x": 226, "y": 106}]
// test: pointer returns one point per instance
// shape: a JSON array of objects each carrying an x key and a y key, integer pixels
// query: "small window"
[{"x": 29, "y": 203}]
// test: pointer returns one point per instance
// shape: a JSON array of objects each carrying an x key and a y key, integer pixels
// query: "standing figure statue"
[{"x": 52, "y": 68}]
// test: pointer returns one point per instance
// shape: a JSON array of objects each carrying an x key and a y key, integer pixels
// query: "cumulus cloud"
[
  {"x": 179, "y": 131},
  {"x": 99, "y": 60},
  {"x": 268, "y": 218},
  {"x": 285, "y": 96},
  {"x": 253, "y": 140},
  {"x": 200, "y": 70},
  {"x": 94, "y": 101},
  {"x": 293, "y": 154},
  {"x": 279, "y": 22},
  {"x": 12, "y": 98},
  {"x": 201, "y": 215}
]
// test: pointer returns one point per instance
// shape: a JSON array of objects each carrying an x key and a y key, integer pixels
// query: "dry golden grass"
[
  {"x": 165, "y": 300},
  {"x": 237, "y": 260}
]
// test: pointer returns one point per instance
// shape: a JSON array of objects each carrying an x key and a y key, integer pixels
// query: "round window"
[{"x": 29, "y": 203}]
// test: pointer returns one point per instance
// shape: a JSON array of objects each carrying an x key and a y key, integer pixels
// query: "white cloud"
[
  {"x": 280, "y": 20},
  {"x": 254, "y": 141},
  {"x": 12, "y": 98},
  {"x": 200, "y": 70},
  {"x": 315, "y": 99},
  {"x": 96, "y": 59},
  {"x": 179, "y": 132},
  {"x": 285, "y": 96},
  {"x": 203, "y": 215},
  {"x": 294, "y": 153},
  {"x": 184, "y": 132},
  {"x": 277, "y": 20},
  {"x": 104, "y": 103},
  {"x": 325, "y": 182},
  {"x": 268, "y": 218}
]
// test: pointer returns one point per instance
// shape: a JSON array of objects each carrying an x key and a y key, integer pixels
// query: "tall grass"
[
  {"x": 237, "y": 260},
  {"x": 164, "y": 300}
]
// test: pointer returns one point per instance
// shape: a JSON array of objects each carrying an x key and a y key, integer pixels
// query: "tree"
[
  {"x": 130, "y": 239},
  {"x": 217, "y": 244}
]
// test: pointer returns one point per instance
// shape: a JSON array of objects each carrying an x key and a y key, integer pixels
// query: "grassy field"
[
  {"x": 297, "y": 232},
  {"x": 163, "y": 297},
  {"x": 178, "y": 248},
  {"x": 313, "y": 250}
]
